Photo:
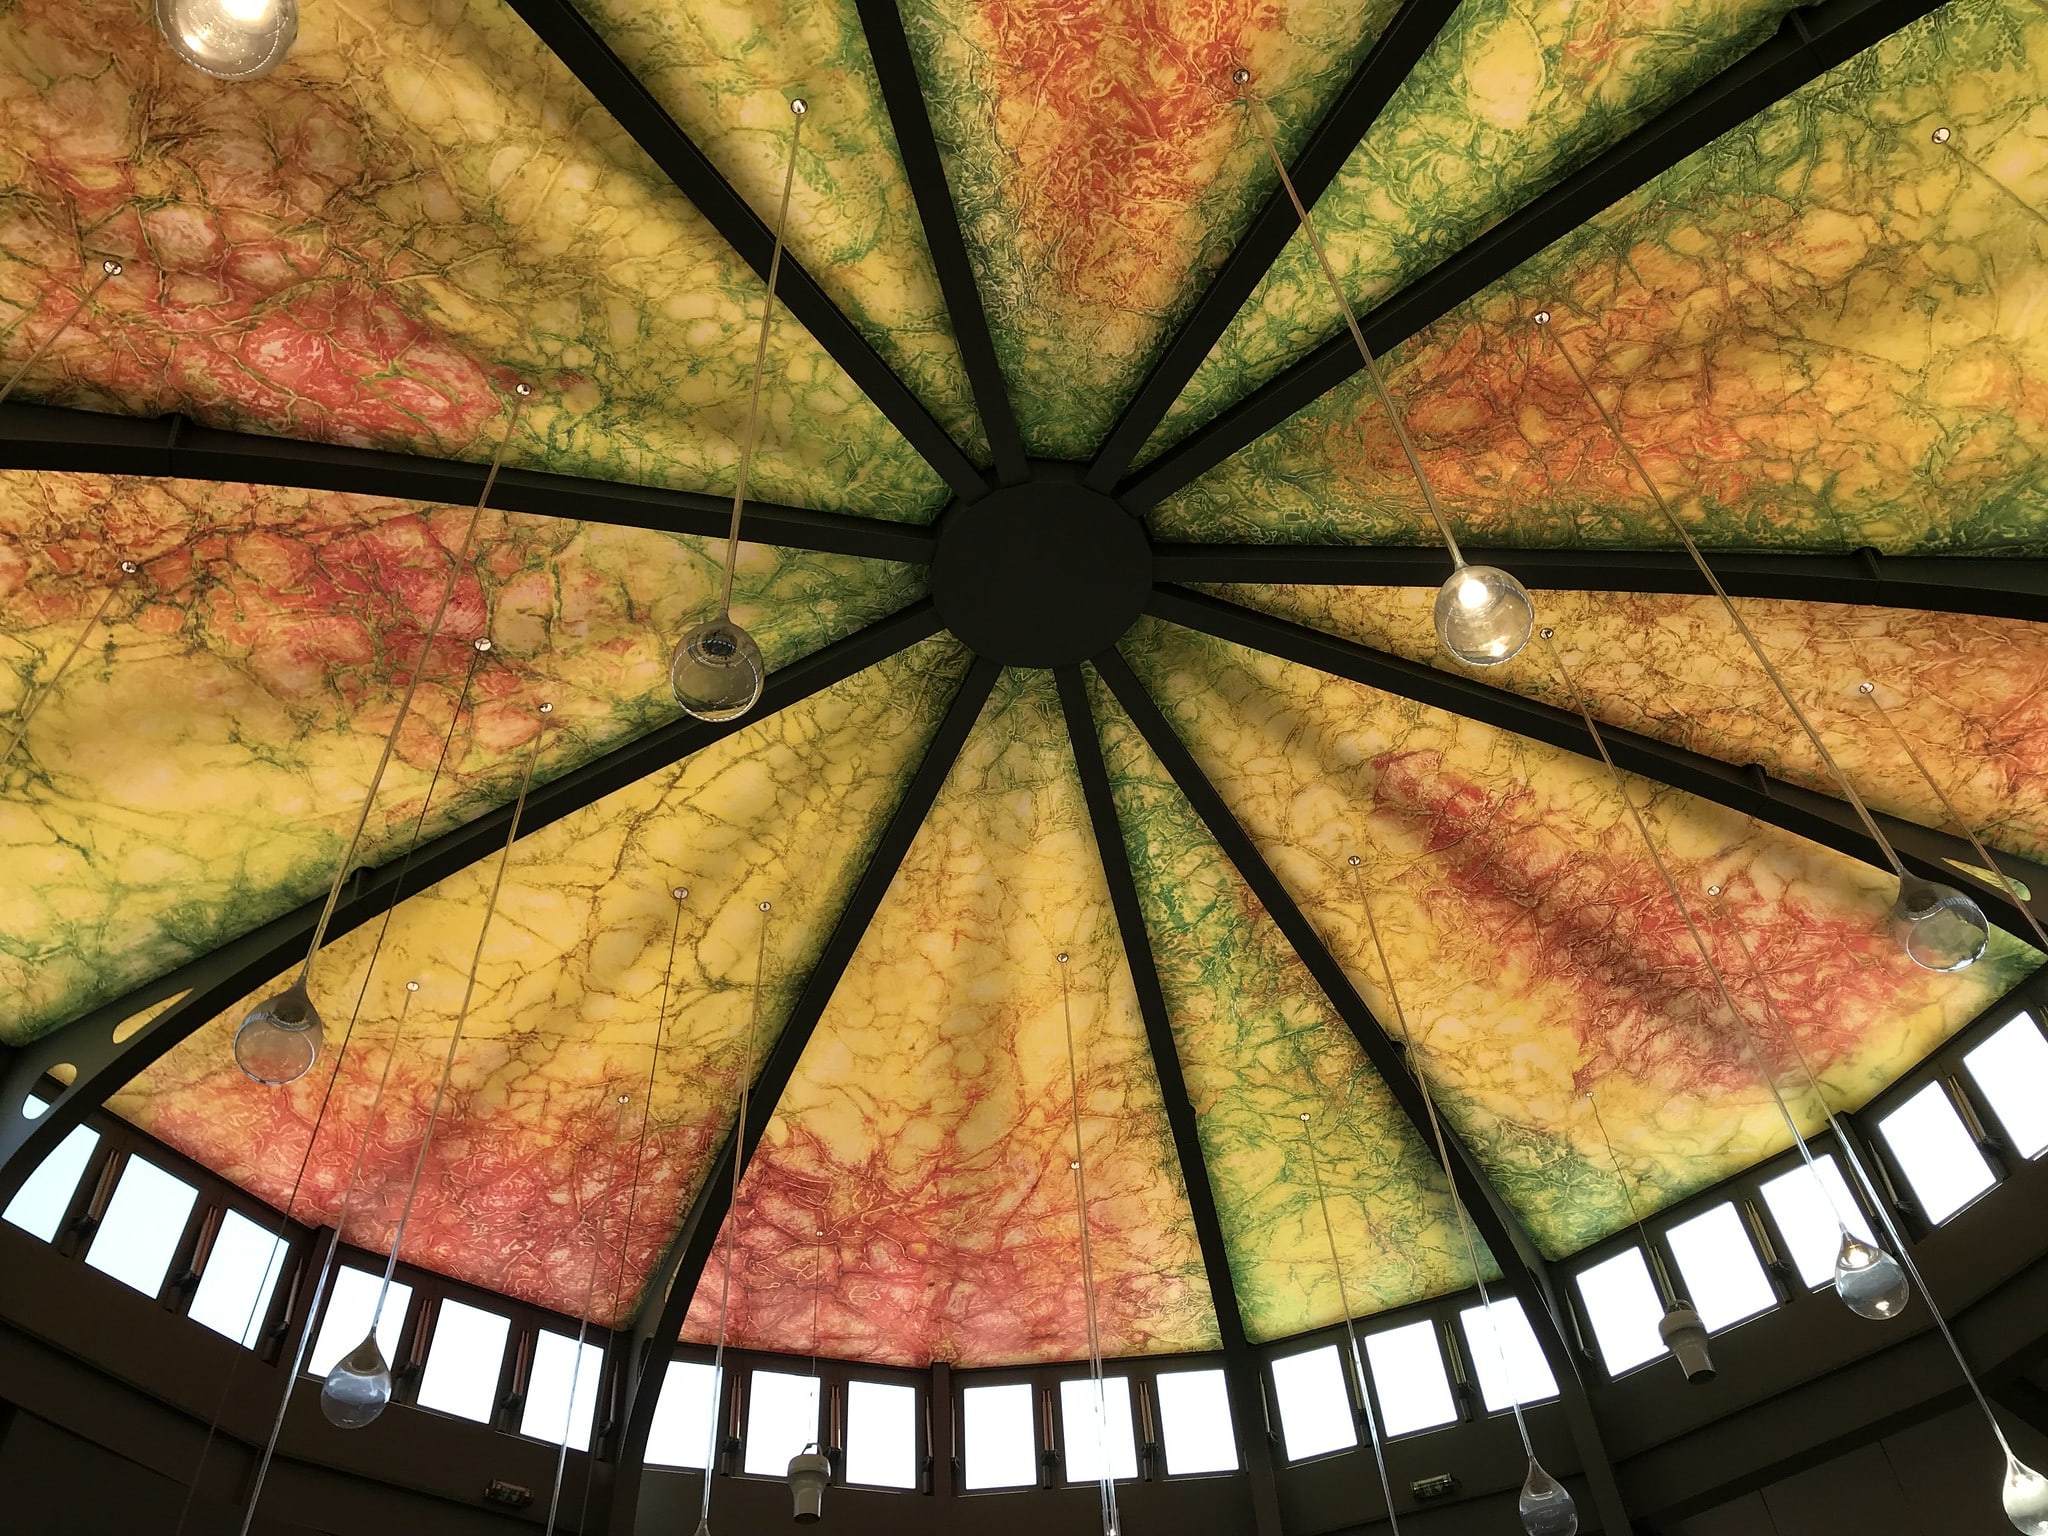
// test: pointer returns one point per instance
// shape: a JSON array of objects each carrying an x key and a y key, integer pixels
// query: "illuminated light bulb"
[
  {"x": 1546, "y": 1509},
  {"x": 1483, "y": 615},
  {"x": 357, "y": 1389},
  {"x": 717, "y": 671},
  {"x": 1939, "y": 927},
  {"x": 1870, "y": 1281},
  {"x": 2025, "y": 1496},
  {"x": 230, "y": 39},
  {"x": 280, "y": 1039}
]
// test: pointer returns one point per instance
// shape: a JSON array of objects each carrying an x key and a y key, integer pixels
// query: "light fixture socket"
[
  {"x": 1686, "y": 1337},
  {"x": 809, "y": 1471}
]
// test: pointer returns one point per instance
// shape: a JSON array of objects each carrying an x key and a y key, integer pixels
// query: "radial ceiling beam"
[
  {"x": 1747, "y": 790},
  {"x": 1393, "y": 55},
  {"x": 618, "y": 90},
  {"x": 1240, "y": 1365},
  {"x": 88, "y": 442},
  {"x": 903, "y": 95},
  {"x": 1521, "y": 1264},
  {"x": 217, "y": 981},
  {"x": 1809, "y": 42},
  {"x": 1997, "y": 587},
  {"x": 665, "y": 1301}
]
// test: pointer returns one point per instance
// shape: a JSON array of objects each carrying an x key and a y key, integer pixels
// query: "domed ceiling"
[{"x": 1820, "y": 330}]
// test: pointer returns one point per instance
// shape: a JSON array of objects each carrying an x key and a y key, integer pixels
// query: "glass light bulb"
[
  {"x": 1939, "y": 927},
  {"x": 1483, "y": 615},
  {"x": 1547, "y": 1510},
  {"x": 280, "y": 1039},
  {"x": 358, "y": 1387},
  {"x": 717, "y": 671},
  {"x": 229, "y": 39},
  {"x": 2025, "y": 1495},
  {"x": 1870, "y": 1281}
]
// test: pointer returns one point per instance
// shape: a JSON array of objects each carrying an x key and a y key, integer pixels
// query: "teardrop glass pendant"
[
  {"x": 1939, "y": 927},
  {"x": 717, "y": 671},
  {"x": 703, "y": 1528},
  {"x": 358, "y": 1387},
  {"x": 1547, "y": 1510},
  {"x": 2026, "y": 1497},
  {"x": 1870, "y": 1281},
  {"x": 280, "y": 1039}
]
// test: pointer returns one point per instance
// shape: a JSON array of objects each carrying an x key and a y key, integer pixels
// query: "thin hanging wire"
[
  {"x": 1991, "y": 865},
  {"x": 751, "y": 427},
  {"x": 1443, "y": 1153},
  {"x": 1108, "y": 1473},
  {"x": 1372, "y": 1421},
  {"x": 108, "y": 268},
  {"x": 1945, "y": 137},
  {"x": 1255, "y": 108},
  {"x": 476, "y": 961},
  {"x": 36, "y": 699},
  {"x": 583, "y": 1321},
  {"x": 1635, "y": 1215},
  {"x": 520, "y": 394},
  {"x": 1727, "y": 604},
  {"x": 739, "y": 1159}
]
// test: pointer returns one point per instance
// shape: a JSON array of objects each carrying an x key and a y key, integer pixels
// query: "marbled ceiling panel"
[
  {"x": 199, "y": 768},
  {"x": 369, "y": 246},
  {"x": 1103, "y": 172},
  {"x": 1819, "y": 332},
  {"x": 1261, "y": 1047},
  {"x": 530, "y": 1167},
  {"x": 1536, "y": 951},
  {"x": 912, "y": 1191}
]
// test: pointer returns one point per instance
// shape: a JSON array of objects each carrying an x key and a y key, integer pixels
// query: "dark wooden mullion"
[
  {"x": 1241, "y": 1367},
  {"x": 1392, "y": 57},
  {"x": 618, "y": 90},
  {"x": 924, "y": 168},
  {"x": 665, "y": 1301}
]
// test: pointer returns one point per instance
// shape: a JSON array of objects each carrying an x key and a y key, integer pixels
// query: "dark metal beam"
[
  {"x": 903, "y": 94},
  {"x": 1810, "y": 42},
  {"x": 218, "y": 980},
  {"x": 666, "y": 1299},
  {"x": 1750, "y": 791},
  {"x": 618, "y": 90},
  {"x": 2025, "y": 1402},
  {"x": 1393, "y": 55},
  {"x": 1240, "y": 1365},
  {"x": 55, "y": 438},
  {"x": 2009, "y": 588}
]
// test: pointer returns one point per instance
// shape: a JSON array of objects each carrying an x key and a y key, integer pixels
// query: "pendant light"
[
  {"x": 1543, "y": 1503},
  {"x": 39, "y": 696},
  {"x": 280, "y": 1039},
  {"x": 1680, "y": 1328},
  {"x": 717, "y": 671},
  {"x": 1483, "y": 615},
  {"x": 810, "y": 1469},
  {"x": 358, "y": 1388},
  {"x": 1866, "y": 1277},
  {"x": 109, "y": 268},
  {"x": 1107, "y": 1480},
  {"x": 739, "y": 1160},
  {"x": 230, "y": 39},
  {"x": 1360, "y": 1380},
  {"x": 1938, "y": 927}
]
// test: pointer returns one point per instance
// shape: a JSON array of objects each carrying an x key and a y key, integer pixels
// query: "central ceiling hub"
[{"x": 1044, "y": 574}]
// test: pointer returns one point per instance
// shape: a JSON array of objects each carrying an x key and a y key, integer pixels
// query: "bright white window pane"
[
  {"x": 558, "y": 1365},
  {"x": 38, "y": 1206},
  {"x": 681, "y": 1432},
  {"x": 1941, "y": 1160},
  {"x": 349, "y": 1309},
  {"x": 142, "y": 1226},
  {"x": 1408, "y": 1378},
  {"x": 1002, "y": 1444},
  {"x": 463, "y": 1360},
  {"x": 1089, "y": 1443},
  {"x": 1504, "y": 1351},
  {"x": 2011, "y": 1069},
  {"x": 1194, "y": 1420},
  {"x": 1315, "y": 1407},
  {"x": 1724, "y": 1279},
  {"x": 1621, "y": 1299},
  {"x": 1810, "y": 1207},
  {"x": 782, "y": 1418},
  {"x": 241, "y": 1272},
  {"x": 881, "y": 1434}
]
